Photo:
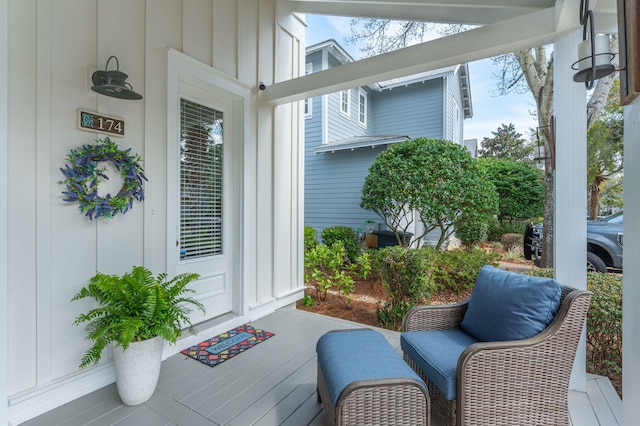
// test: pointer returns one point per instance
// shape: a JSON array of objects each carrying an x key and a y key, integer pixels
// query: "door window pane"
[{"x": 201, "y": 180}]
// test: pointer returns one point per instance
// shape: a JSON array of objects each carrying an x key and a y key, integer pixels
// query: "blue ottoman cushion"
[
  {"x": 436, "y": 353},
  {"x": 509, "y": 306},
  {"x": 356, "y": 355}
]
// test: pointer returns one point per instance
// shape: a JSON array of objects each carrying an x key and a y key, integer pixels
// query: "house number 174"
[{"x": 100, "y": 123}]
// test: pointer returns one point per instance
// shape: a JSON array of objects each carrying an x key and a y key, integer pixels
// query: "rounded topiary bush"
[
  {"x": 497, "y": 229},
  {"x": 345, "y": 234}
]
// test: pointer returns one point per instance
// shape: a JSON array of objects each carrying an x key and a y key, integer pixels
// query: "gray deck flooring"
[{"x": 271, "y": 384}]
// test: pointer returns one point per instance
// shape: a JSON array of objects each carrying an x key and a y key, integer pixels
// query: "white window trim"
[
  {"x": 457, "y": 124},
  {"x": 363, "y": 93},
  {"x": 308, "y": 69},
  {"x": 346, "y": 113}
]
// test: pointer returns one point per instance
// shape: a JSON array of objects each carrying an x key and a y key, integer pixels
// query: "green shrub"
[
  {"x": 324, "y": 267},
  {"x": 472, "y": 230},
  {"x": 458, "y": 269},
  {"x": 364, "y": 264},
  {"x": 436, "y": 178},
  {"x": 310, "y": 240},
  {"x": 511, "y": 241},
  {"x": 327, "y": 267},
  {"x": 604, "y": 321},
  {"x": 497, "y": 229},
  {"x": 345, "y": 234},
  {"x": 307, "y": 301},
  {"x": 404, "y": 274}
]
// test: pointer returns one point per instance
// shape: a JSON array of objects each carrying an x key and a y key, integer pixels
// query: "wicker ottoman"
[{"x": 363, "y": 381}]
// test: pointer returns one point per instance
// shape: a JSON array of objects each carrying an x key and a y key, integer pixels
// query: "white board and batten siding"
[{"x": 54, "y": 249}]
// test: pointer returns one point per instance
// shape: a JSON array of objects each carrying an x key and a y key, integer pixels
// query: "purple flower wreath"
[{"x": 84, "y": 175}]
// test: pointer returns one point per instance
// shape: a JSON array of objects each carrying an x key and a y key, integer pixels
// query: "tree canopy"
[
  {"x": 605, "y": 143},
  {"x": 507, "y": 144},
  {"x": 436, "y": 178}
]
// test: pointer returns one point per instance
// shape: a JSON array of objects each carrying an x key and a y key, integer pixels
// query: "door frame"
[{"x": 184, "y": 69}]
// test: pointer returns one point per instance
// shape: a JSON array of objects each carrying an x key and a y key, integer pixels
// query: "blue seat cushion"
[
  {"x": 355, "y": 355},
  {"x": 509, "y": 306},
  {"x": 436, "y": 353}
]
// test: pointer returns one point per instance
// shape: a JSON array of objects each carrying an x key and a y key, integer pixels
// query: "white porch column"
[
  {"x": 631, "y": 282},
  {"x": 4, "y": 131},
  {"x": 570, "y": 247}
]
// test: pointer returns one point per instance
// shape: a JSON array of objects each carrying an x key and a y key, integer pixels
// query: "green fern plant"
[{"x": 134, "y": 307}]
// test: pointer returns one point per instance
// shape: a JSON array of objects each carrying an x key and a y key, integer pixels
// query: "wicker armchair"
[{"x": 517, "y": 382}]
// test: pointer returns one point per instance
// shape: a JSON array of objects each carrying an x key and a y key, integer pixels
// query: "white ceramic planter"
[{"x": 137, "y": 370}]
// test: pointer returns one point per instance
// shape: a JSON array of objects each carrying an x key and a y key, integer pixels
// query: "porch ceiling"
[
  {"x": 470, "y": 12},
  {"x": 450, "y": 11}
]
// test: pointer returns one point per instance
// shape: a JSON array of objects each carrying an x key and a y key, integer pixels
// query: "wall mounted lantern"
[
  {"x": 594, "y": 51},
  {"x": 113, "y": 83},
  {"x": 539, "y": 151}
]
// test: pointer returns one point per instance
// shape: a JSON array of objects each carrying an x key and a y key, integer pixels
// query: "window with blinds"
[{"x": 201, "y": 180}]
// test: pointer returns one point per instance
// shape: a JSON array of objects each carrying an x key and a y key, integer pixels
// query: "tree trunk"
[
  {"x": 539, "y": 75},
  {"x": 546, "y": 261},
  {"x": 594, "y": 194},
  {"x": 594, "y": 201}
]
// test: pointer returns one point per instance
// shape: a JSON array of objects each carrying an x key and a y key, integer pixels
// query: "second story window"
[
  {"x": 362, "y": 107},
  {"x": 345, "y": 102}
]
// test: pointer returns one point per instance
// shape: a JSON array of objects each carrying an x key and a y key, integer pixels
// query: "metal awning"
[{"x": 355, "y": 142}]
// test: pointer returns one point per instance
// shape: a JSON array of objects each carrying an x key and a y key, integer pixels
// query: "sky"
[{"x": 489, "y": 110}]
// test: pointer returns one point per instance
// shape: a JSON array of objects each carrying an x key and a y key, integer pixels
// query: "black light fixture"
[
  {"x": 594, "y": 52},
  {"x": 113, "y": 83},
  {"x": 539, "y": 152}
]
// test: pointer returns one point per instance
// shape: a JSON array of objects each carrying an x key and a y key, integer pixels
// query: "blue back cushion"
[{"x": 509, "y": 306}]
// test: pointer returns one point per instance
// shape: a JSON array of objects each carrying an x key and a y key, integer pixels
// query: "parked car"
[{"x": 604, "y": 243}]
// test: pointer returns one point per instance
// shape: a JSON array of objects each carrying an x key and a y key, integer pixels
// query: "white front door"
[{"x": 201, "y": 197}]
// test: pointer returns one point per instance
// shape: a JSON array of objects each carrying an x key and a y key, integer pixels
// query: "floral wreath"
[{"x": 84, "y": 176}]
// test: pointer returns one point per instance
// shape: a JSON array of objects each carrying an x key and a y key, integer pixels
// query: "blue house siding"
[
  {"x": 313, "y": 124},
  {"x": 316, "y": 58},
  {"x": 333, "y": 188},
  {"x": 415, "y": 110},
  {"x": 343, "y": 126}
]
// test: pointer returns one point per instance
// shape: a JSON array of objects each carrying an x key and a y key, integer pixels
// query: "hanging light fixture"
[
  {"x": 594, "y": 51},
  {"x": 113, "y": 83}
]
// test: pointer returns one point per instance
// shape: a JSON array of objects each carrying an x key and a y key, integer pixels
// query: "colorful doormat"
[{"x": 227, "y": 345}]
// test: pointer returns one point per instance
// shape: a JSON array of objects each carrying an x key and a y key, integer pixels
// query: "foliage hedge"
[
  {"x": 497, "y": 229},
  {"x": 310, "y": 240},
  {"x": 520, "y": 187},
  {"x": 604, "y": 321},
  {"x": 347, "y": 235},
  {"x": 458, "y": 269}
]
